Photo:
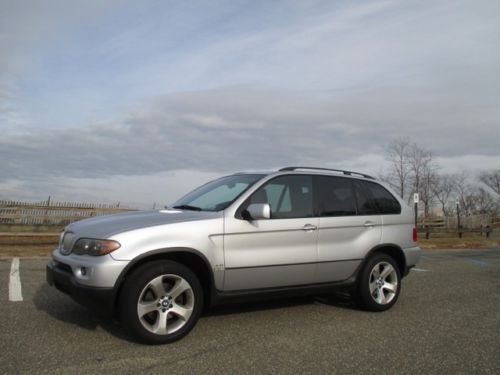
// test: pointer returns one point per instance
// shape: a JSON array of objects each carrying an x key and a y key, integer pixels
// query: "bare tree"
[
  {"x": 412, "y": 169},
  {"x": 463, "y": 188},
  {"x": 397, "y": 156},
  {"x": 443, "y": 190},
  {"x": 483, "y": 201},
  {"x": 418, "y": 161},
  {"x": 491, "y": 179},
  {"x": 474, "y": 199},
  {"x": 423, "y": 173},
  {"x": 426, "y": 190}
]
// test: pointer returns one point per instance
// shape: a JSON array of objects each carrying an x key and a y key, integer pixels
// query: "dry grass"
[
  {"x": 27, "y": 245},
  {"x": 460, "y": 243},
  {"x": 23, "y": 251}
]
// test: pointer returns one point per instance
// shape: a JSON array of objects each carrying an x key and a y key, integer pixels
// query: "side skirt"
[{"x": 220, "y": 297}]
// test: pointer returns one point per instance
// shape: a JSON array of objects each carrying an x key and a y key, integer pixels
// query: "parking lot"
[{"x": 447, "y": 320}]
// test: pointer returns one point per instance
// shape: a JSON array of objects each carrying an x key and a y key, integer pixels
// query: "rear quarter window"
[{"x": 383, "y": 201}]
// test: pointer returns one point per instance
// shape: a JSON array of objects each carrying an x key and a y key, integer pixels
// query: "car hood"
[{"x": 109, "y": 225}]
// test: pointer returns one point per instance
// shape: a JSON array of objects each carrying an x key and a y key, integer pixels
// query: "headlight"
[
  {"x": 91, "y": 246},
  {"x": 61, "y": 239}
]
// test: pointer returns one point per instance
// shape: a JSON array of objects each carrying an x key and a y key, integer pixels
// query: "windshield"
[{"x": 218, "y": 194}]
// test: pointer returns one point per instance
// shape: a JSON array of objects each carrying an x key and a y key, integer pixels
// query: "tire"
[
  {"x": 379, "y": 283},
  {"x": 160, "y": 302}
]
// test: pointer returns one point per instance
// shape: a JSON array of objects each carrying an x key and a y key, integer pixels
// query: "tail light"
[{"x": 415, "y": 235}]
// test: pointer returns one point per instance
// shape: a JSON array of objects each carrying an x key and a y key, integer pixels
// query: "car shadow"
[
  {"x": 340, "y": 300},
  {"x": 62, "y": 308}
]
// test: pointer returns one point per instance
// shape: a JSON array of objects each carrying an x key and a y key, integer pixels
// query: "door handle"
[
  {"x": 369, "y": 224},
  {"x": 309, "y": 227}
]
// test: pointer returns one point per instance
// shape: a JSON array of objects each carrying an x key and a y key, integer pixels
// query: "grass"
[
  {"x": 450, "y": 240},
  {"x": 460, "y": 243},
  {"x": 27, "y": 245}
]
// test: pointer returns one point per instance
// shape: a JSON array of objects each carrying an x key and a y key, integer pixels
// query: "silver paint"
[{"x": 244, "y": 254}]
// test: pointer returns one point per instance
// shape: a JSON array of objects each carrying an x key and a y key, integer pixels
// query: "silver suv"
[{"x": 294, "y": 231}]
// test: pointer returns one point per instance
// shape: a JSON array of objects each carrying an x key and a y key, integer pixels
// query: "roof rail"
[{"x": 348, "y": 173}]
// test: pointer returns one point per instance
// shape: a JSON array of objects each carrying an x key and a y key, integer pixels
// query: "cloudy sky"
[{"x": 140, "y": 101}]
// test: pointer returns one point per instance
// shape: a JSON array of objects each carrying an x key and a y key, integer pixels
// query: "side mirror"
[{"x": 258, "y": 211}]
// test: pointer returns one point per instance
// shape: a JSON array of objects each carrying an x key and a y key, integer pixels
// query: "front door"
[{"x": 280, "y": 251}]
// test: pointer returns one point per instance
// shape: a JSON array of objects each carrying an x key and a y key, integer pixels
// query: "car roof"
[{"x": 315, "y": 171}]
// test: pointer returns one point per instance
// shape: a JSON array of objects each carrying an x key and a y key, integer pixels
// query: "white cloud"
[
  {"x": 470, "y": 162},
  {"x": 93, "y": 91},
  {"x": 239, "y": 128},
  {"x": 139, "y": 191}
]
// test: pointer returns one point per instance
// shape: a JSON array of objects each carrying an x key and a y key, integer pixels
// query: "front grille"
[{"x": 67, "y": 243}]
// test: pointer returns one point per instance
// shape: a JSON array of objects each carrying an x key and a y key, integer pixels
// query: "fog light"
[{"x": 83, "y": 271}]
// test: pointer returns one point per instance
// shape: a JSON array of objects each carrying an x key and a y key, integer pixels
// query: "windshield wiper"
[{"x": 187, "y": 207}]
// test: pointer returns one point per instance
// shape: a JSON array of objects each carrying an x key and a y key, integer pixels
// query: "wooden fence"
[
  {"x": 53, "y": 213},
  {"x": 471, "y": 222}
]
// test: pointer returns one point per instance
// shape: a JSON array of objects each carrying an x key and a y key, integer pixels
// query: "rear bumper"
[
  {"x": 99, "y": 300},
  {"x": 407, "y": 270},
  {"x": 412, "y": 256}
]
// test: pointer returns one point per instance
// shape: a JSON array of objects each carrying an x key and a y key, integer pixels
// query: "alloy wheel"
[
  {"x": 165, "y": 304},
  {"x": 383, "y": 283}
]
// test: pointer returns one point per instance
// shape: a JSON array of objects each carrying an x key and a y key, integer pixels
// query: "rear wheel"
[
  {"x": 379, "y": 283},
  {"x": 161, "y": 302}
]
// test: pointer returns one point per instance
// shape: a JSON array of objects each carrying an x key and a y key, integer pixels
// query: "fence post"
[{"x": 46, "y": 214}]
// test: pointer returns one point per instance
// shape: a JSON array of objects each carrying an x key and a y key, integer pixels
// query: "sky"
[{"x": 141, "y": 101}]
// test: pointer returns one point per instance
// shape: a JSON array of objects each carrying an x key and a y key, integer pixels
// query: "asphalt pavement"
[{"x": 447, "y": 320}]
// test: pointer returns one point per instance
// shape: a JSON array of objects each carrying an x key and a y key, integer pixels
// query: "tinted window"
[
  {"x": 375, "y": 199},
  {"x": 365, "y": 202},
  {"x": 336, "y": 197},
  {"x": 384, "y": 201},
  {"x": 288, "y": 196}
]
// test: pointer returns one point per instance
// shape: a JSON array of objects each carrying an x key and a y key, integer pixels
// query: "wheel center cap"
[{"x": 165, "y": 303}]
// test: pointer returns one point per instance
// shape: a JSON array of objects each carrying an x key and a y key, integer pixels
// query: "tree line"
[{"x": 414, "y": 169}]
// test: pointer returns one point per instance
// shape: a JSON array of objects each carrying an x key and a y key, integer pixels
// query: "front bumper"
[{"x": 99, "y": 300}]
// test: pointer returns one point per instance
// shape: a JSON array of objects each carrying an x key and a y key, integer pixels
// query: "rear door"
[
  {"x": 349, "y": 226},
  {"x": 276, "y": 252}
]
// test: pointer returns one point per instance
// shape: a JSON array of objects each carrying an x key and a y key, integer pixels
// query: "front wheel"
[
  {"x": 161, "y": 302},
  {"x": 379, "y": 283}
]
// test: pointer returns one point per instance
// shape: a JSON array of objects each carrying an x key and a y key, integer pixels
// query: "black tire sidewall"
[
  {"x": 132, "y": 288},
  {"x": 363, "y": 295}
]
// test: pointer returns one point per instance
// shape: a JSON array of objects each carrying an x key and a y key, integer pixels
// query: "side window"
[
  {"x": 365, "y": 202},
  {"x": 288, "y": 196},
  {"x": 385, "y": 202},
  {"x": 337, "y": 197}
]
